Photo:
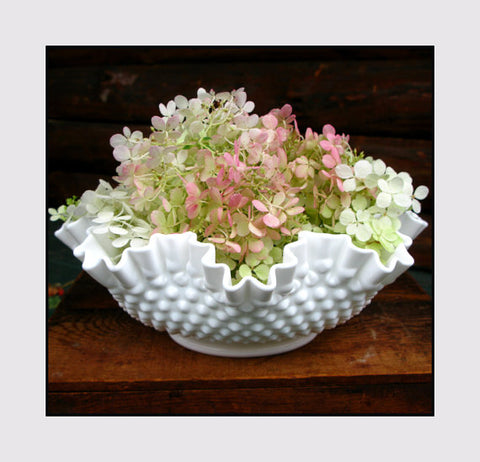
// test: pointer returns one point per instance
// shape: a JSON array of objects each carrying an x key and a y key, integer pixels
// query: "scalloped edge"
[{"x": 87, "y": 247}]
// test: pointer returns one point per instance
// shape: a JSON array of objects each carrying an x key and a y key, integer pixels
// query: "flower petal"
[
  {"x": 118, "y": 230},
  {"x": 379, "y": 167},
  {"x": 364, "y": 233},
  {"x": 195, "y": 127},
  {"x": 301, "y": 171},
  {"x": 396, "y": 185},
  {"x": 294, "y": 210},
  {"x": 262, "y": 271},
  {"x": 117, "y": 140},
  {"x": 279, "y": 198},
  {"x": 163, "y": 109},
  {"x": 259, "y": 206},
  {"x": 171, "y": 107},
  {"x": 402, "y": 200},
  {"x": 255, "y": 246},
  {"x": 352, "y": 229},
  {"x": 383, "y": 185},
  {"x": 100, "y": 229},
  {"x": 362, "y": 168},
  {"x": 349, "y": 185},
  {"x": 158, "y": 123},
  {"x": 181, "y": 101},
  {"x": 249, "y": 107},
  {"x": 343, "y": 171},
  {"x": 371, "y": 180},
  {"x": 270, "y": 121},
  {"x": 328, "y": 130},
  {"x": 326, "y": 145},
  {"x": 383, "y": 200},
  {"x": 416, "y": 207},
  {"x": 244, "y": 271},
  {"x": 256, "y": 231},
  {"x": 233, "y": 247},
  {"x": 121, "y": 153},
  {"x": 347, "y": 217},
  {"x": 120, "y": 242},
  {"x": 328, "y": 161},
  {"x": 271, "y": 220},
  {"x": 421, "y": 192}
]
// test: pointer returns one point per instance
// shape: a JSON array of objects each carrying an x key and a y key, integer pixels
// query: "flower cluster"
[{"x": 245, "y": 183}]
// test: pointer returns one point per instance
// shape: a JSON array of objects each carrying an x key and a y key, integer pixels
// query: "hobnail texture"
[{"x": 173, "y": 284}]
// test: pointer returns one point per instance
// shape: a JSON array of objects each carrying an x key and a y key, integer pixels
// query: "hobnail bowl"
[{"x": 173, "y": 284}]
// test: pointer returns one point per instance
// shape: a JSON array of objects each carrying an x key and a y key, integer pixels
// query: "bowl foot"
[{"x": 241, "y": 350}]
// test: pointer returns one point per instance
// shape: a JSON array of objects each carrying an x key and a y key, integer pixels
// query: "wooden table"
[{"x": 102, "y": 362}]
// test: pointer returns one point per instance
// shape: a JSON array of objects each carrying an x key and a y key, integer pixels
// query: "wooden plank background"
[{"x": 381, "y": 96}]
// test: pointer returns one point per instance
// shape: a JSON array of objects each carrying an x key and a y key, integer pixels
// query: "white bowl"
[{"x": 173, "y": 284}]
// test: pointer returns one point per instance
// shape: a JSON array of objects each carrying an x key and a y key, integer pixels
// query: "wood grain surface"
[
  {"x": 374, "y": 97},
  {"x": 102, "y": 361}
]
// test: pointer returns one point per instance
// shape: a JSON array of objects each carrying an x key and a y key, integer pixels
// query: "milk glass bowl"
[{"x": 174, "y": 284}]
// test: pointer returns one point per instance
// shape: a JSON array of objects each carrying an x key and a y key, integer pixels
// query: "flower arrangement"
[{"x": 245, "y": 183}]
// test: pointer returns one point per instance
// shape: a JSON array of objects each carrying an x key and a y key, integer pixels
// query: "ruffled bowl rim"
[{"x": 77, "y": 234}]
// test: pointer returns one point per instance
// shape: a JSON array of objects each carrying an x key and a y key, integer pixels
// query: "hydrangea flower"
[
  {"x": 421, "y": 192},
  {"x": 356, "y": 224},
  {"x": 392, "y": 191},
  {"x": 246, "y": 183}
]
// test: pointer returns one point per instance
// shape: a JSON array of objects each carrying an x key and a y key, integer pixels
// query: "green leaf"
[
  {"x": 53, "y": 302},
  {"x": 72, "y": 200}
]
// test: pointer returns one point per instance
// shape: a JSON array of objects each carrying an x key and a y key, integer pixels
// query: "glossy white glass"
[{"x": 173, "y": 284}]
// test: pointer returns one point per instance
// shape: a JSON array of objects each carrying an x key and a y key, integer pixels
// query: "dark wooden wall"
[{"x": 381, "y": 96}]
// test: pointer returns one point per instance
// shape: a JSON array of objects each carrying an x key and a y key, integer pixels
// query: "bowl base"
[{"x": 240, "y": 350}]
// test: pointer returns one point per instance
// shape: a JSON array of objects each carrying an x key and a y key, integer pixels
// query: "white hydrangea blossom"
[{"x": 356, "y": 224}]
